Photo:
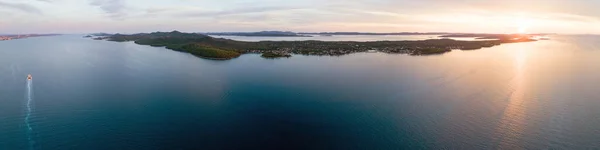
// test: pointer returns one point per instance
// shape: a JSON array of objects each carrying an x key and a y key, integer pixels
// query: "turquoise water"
[{"x": 89, "y": 94}]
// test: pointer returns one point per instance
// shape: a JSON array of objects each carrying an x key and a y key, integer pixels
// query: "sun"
[
  {"x": 522, "y": 30},
  {"x": 523, "y": 25}
]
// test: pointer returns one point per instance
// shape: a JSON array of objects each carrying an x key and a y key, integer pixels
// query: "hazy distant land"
[
  {"x": 310, "y": 34},
  {"x": 371, "y": 33},
  {"x": 261, "y": 33},
  {"x": 491, "y": 36},
  {"x": 4, "y": 37},
  {"x": 218, "y": 48}
]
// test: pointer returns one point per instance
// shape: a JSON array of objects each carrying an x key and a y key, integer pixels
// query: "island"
[{"x": 222, "y": 49}]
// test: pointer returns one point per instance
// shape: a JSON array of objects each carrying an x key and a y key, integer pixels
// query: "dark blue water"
[{"x": 89, "y": 94}]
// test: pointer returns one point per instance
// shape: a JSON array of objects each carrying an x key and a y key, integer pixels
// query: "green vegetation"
[
  {"x": 206, "y": 51},
  {"x": 218, "y": 48},
  {"x": 184, "y": 42}
]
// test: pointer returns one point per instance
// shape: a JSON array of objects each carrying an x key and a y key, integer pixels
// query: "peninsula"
[{"x": 218, "y": 48}]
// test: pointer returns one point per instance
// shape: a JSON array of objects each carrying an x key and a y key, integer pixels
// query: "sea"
[{"x": 89, "y": 94}]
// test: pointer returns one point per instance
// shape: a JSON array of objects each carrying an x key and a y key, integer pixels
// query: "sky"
[{"x": 133, "y": 16}]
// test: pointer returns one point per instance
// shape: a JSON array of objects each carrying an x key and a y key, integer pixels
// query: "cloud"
[
  {"x": 114, "y": 8},
  {"x": 236, "y": 11},
  {"x": 304, "y": 15},
  {"x": 21, "y": 7}
]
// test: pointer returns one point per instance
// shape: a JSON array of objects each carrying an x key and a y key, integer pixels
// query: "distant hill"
[
  {"x": 193, "y": 43},
  {"x": 261, "y": 33},
  {"x": 490, "y": 36},
  {"x": 372, "y": 33}
]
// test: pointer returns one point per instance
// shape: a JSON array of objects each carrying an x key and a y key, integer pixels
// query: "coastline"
[{"x": 208, "y": 47}]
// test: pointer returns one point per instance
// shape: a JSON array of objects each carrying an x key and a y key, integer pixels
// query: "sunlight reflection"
[{"x": 510, "y": 128}]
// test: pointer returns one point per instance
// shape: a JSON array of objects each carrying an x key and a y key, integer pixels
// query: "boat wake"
[{"x": 29, "y": 99}]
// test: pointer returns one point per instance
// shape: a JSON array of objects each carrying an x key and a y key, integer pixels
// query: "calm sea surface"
[{"x": 88, "y": 94}]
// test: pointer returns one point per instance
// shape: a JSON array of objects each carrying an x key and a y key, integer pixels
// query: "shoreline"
[{"x": 208, "y": 47}]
